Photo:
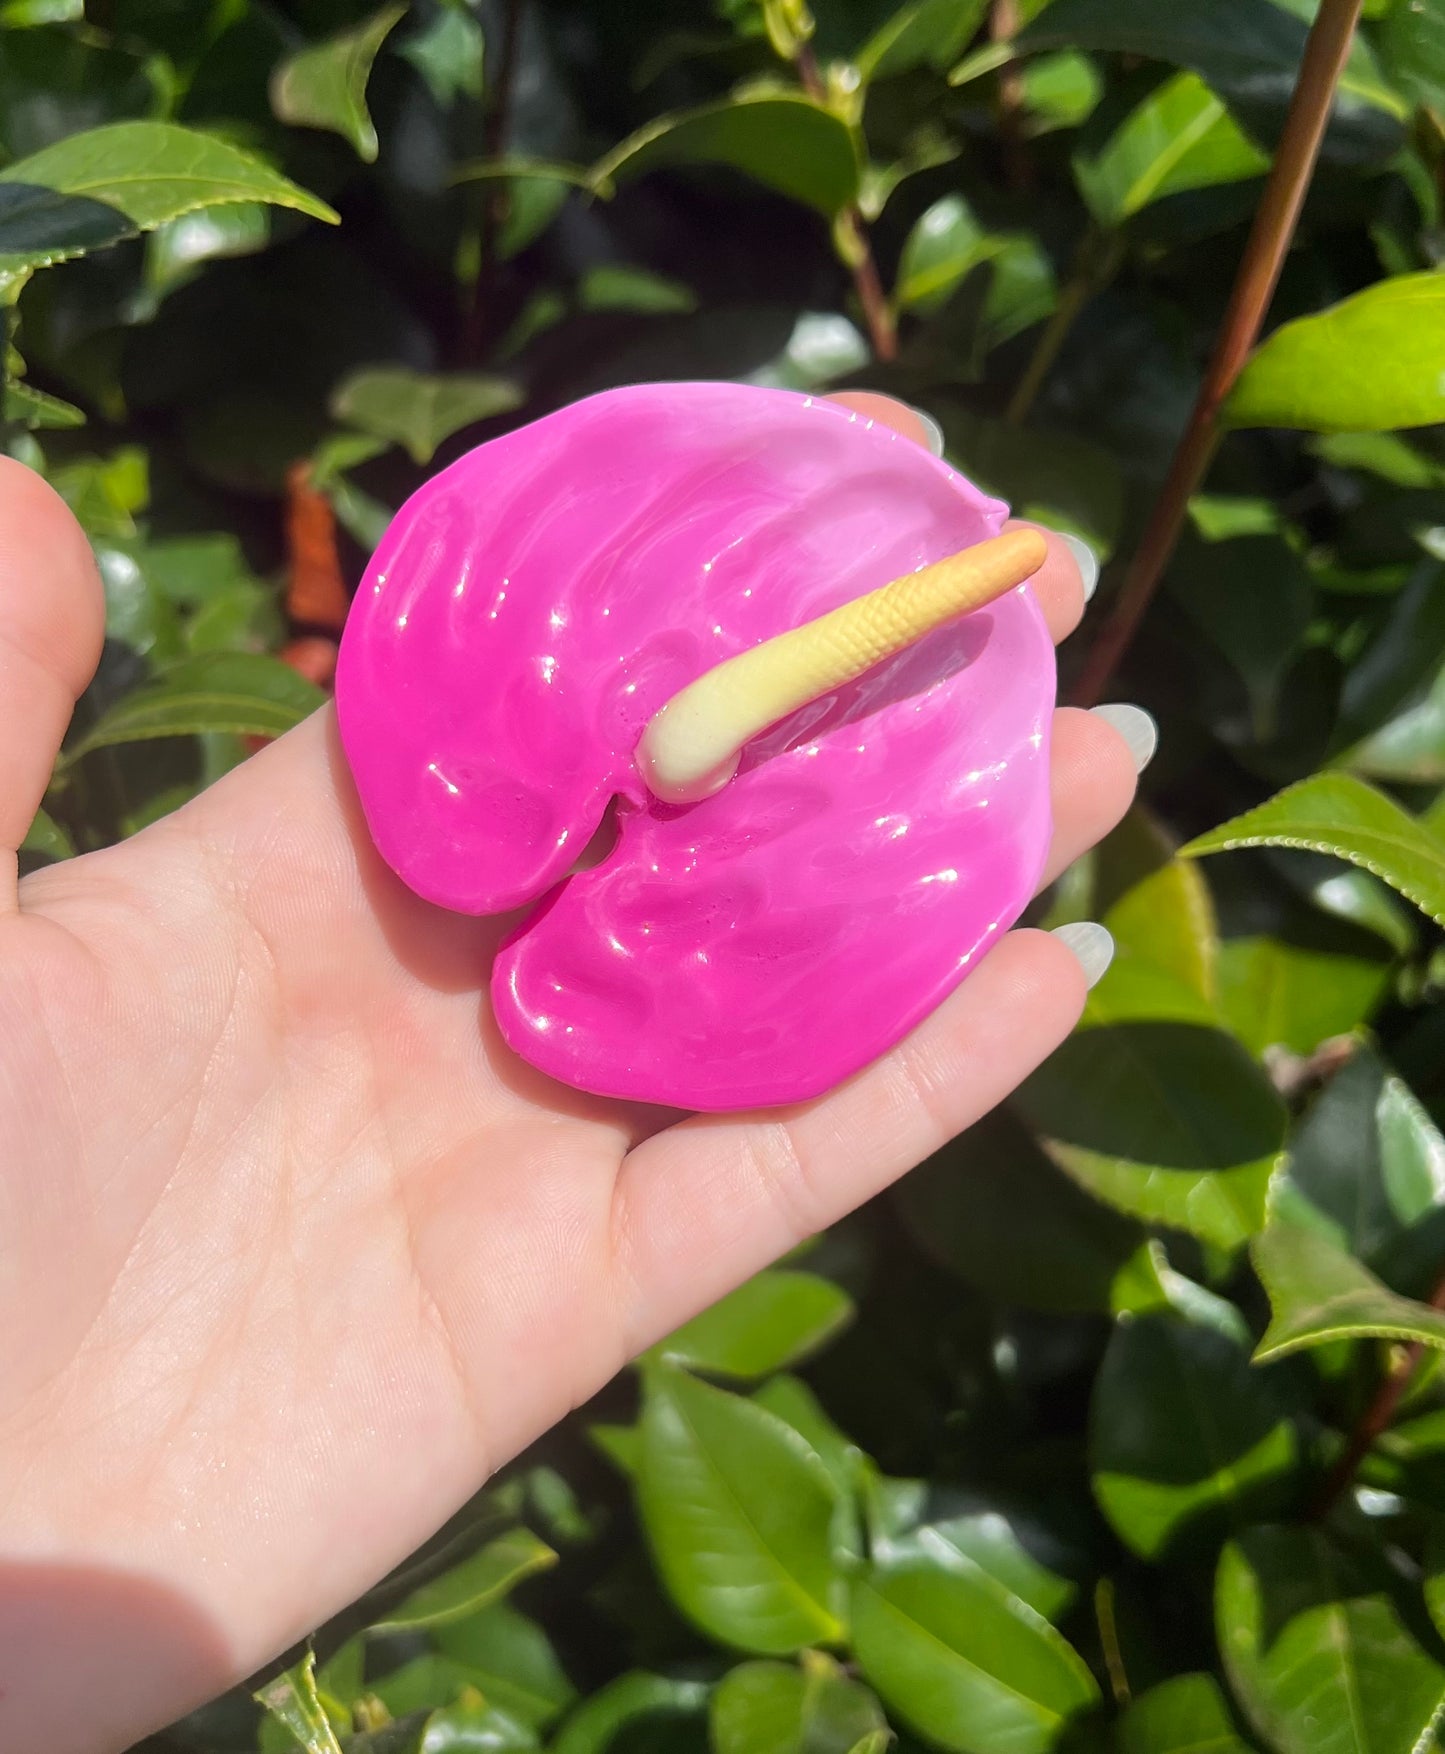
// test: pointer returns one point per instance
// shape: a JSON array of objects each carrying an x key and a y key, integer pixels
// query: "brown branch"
[
  {"x": 877, "y": 312},
  {"x": 497, "y": 197},
  {"x": 1375, "y": 1419},
  {"x": 1003, "y": 27},
  {"x": 1324, "y": 58}
]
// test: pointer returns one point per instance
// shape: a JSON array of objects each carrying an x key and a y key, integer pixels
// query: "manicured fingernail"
[
  {"x": 1135, "y": 726},
  {"x": 933, "y": 432},
  {"x": 1086, "y": 561},
  {"x": 1092, "y": 944}
]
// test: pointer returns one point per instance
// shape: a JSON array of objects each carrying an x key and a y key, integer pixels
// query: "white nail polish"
[
  {"x": 1092, "y": 944},
  {"x": 1086, "y": 561},
  {"x": 932, "y": 430},
  {"x": 1135, "y": 726}
]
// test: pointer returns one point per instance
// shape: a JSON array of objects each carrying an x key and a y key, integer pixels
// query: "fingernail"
[
  {"x": 1092, "y": 944},
  {"x": 1135, "y": 726},
  {"x": 933, "y": 432},
  {"x": 1086, "y": 561}
]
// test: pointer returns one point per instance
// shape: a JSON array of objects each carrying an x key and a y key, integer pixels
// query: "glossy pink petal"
[{"x": 532, "y": 607}]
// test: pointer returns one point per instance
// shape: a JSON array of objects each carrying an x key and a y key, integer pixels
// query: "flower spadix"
[{"x": 691, "y": 746}]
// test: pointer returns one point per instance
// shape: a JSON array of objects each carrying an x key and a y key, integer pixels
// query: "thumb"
[{"x": 52, "y": 621}]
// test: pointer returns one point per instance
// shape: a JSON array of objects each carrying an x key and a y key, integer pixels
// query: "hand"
[{"x": 293, "y": 1251}]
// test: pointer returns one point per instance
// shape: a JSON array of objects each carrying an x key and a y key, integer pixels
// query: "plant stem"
[
  {"x": 1324, "y": 58},
  {"x": 1375, "y": 1419},
  {"x": 1092, "y": 265},
  {"x": 877, "y": 312},
  {"x": 1003, "y": 26},
  {"x": 496, "y": 198}
]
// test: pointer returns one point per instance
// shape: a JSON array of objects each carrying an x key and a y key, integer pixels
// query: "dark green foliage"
[{"x": 1075, "y": 1442}]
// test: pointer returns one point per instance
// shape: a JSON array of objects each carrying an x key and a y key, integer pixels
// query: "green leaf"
[
  {"x": 739, "y": 1512},
  {"x": 177, "y": 248},
  {"x": 1318, "y": 1293},
  {"x": 789, "y": 143},
  {"x": 449, "y": 54},
  {"x": 791, "y": 1400},
  {"x": 1180, "y": 137},
  {"x": 927, "y": 33},
  {"x": 36, "y": 410},
  {"x": 1184, "y": 1715},
  {"x": 1274, "y": 993},
  {"x": 324, "y": 85},
  {"x": 822, "y": 346},
  {"x": 1337, "y": 814},
  {"x": 128, "y": 177},
  {"x": 1167, "y": 920},
  {"x": 773, "y": 1708},
  {"x": 477, "y": 1583},
  {"x": 1370, "y": 364},
  {"x": 1152, "y": 1108},
  {"x": 1187, "y": 1440},
  {"x": 624, "y": 1704},
  {"x": 945, "y": 245},
  {"x": 618, "y": 286},
  {"x": 1410, "y": 747},
  {"x": 1059, "y": 91},
  {"x": 471, "y": 1726},
  {"x": 291, "y": 1698},
  {"x": 240, "y": 692},
  {"x": 1010, "y": 1544},
  {"x": 996, "y": 1211},
  {"x": 964, "y": 1663},
  {"x": 416, "y": 410},
  {"x": 511, "y": 1659},
  {"x": 772, "y": 1321},
  {"x": 46, "y": 839},
  {"x": 1413, "y": 44},
  {"x": 1322, "y": 1651}
]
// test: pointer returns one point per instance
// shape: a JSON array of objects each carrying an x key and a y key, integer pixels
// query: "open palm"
[{"x": 293, "y": 1250}]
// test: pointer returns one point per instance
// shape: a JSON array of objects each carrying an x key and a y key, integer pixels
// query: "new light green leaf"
[
  {"x": 37, "y": 410},
  {"x": 926, "y": 33},
  {"x": 789, "y": 143},
  {"x": 1318, "y": 1292},
  {"x": 772, "y": 1321},
  {"x": 739, "y": 1512},
  {"x": 243, "y": 693},
  {"x": 1180, "y": 137},
  {"x": 1185, "y": 1715},
  {"x": 108, "y": 183},
  {"x": 776, "y": 1708},
  {"x": 417, "y": 409},
  {"x": 324, "y": 85},
  {"x": 1274, "y": 993},
  {"x": 1338, "y": 814},
  {"x": 487, "y": 1577},
  {"x": 1187, "y": 1440},
  {"x": 966, "y": 1665},
  {"x": 1371, "y": 364},
  {"x": 1322, "y": 1651},
  {"x": 511, "y": 1660},
  {"x": 945, "y": 245},
  {"x": 291, "y": 1698}
]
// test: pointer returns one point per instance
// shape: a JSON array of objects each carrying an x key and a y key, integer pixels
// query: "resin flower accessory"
[{"x": 825, "y": 815}]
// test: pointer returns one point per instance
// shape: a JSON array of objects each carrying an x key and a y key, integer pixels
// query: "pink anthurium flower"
[{"x": 533, "y": 607}]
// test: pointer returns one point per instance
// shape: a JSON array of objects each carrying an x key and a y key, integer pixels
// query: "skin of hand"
[{"x": 293, "y": 1250}]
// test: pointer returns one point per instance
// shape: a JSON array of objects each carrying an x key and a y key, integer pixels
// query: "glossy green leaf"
[
  {"x": 291, "y": 1699},
  {"x": 1153, "y": 1108},
  {"x": 1277, "y": 994},
  {"x": 822, "y": 346},
  {"x": 1166, "y": 919},
  {"x": 475, "y": 1584},
  {"x": 1059, "y": 91},
  {"x": 1318, "y": 1293},
  {"x": 632, "y": 1700},
  {"x": 420, "y": 410},
  {"x": 240, "y": 692},
  {"x": 472, "y": 1726},
  {"x": 789, "y": 143},
  {"x": 1180, "y": 137},
  {"x": 1338, "y": 814},
  {"x": 1413, "y": 42},
  {"x": 739, "y": 1512},
  {"x": 1184, "y": 1715},
  {"x": 792, "y": 1401},
  {"x": 1187, "y": 1439},
  {"x": 772, "y": 1321},
  {"x": 449, "y": 53},
  {"x": 1370, "y": 364},
  {"x": 774, "y": 1708},
  {"x": 1323, "y": 1652},
  {"x": 945, "y": 244},
  {"x": 1408, "y": 1459},
  {"x": 177, "y": 249},
  {"x": 128, "y": 177},
  {"x": 993, "y": 1537},
  {"x": 324, "y": 85},
  {"x": 964, "y": 1664},
  {"x": 1410, "y": 747},
  {"x": 36, "y": 409},
  {"x": 996, "y": 1211},
  {"x": 510, "y": 1659},
  {"x": 924, "y": 33}
]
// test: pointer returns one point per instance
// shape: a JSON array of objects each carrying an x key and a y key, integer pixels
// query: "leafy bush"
[{"x": 1122, "y": 1424}]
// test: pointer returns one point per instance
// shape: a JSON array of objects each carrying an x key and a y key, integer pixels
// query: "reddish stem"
[{"x": 1326, "y": 52}]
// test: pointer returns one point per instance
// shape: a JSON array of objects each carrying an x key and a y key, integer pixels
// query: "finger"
[
  {"x": 711, "y": 1201},
  {"x": 52, "y": 621},
  {"x": 1092, "y": 781}
]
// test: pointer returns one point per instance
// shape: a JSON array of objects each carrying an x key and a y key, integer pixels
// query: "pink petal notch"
[{"x": 531, "y": 608}]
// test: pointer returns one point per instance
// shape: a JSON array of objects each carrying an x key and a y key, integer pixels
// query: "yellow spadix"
[{"x": 691, "y": 746}]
